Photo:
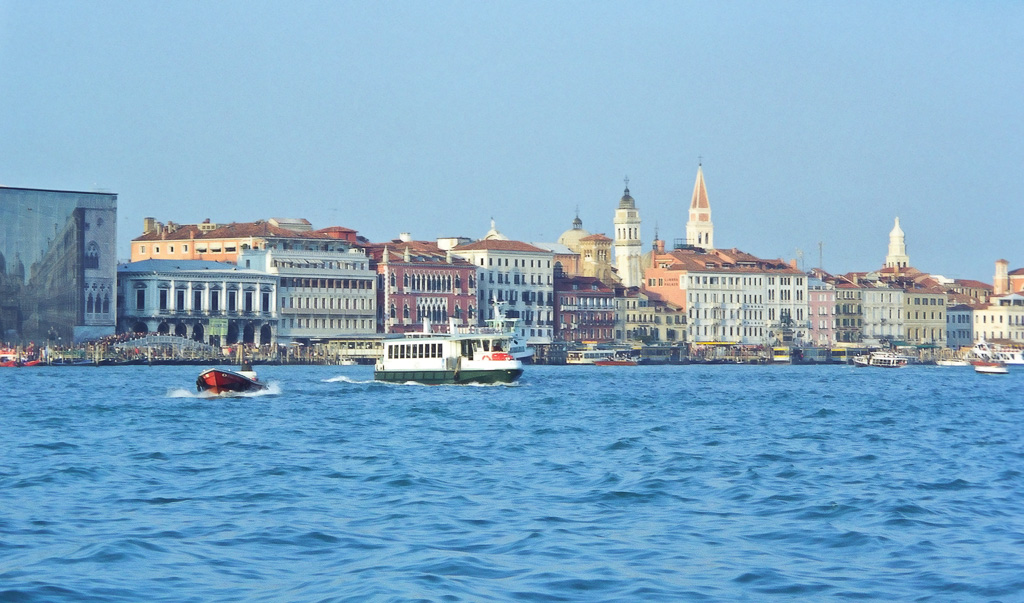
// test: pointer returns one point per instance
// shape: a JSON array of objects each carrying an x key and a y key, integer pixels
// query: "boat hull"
[
  {"x": 221, "y": 381},
  {"x": 442, "y": 377}
]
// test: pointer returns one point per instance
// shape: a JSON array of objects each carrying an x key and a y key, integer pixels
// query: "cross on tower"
[{"x": 626, "y": 180}]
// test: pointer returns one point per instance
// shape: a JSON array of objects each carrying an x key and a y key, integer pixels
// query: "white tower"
[
  {"x": 627, "y": 241},
  {"x": 897, "y": 257},
  {"x": 700, "y": 232}
]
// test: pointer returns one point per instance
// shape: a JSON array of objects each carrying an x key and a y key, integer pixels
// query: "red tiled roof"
[
  {"x": 973, "y": 284},
  {"x": 596, "y": 237},
  {"x": 499, "y": 245},
  {"x": 235, "y": 230}
]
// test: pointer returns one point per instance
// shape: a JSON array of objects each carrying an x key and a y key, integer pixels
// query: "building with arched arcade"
[{"x": 211, "y": 302}]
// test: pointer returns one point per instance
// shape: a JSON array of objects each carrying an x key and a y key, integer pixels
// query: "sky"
[{"x": 816, "y": 123}]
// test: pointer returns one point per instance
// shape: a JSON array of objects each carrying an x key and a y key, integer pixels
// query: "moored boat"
[
  {"x": 880, "y": 360},
  {"x": 952, "y": 362},
  {"x": 991, "y": 352},
  {"x": 990, "y": 368},
  {"x": 448, "y": 359},
  {"x": 223, "y": 381}
]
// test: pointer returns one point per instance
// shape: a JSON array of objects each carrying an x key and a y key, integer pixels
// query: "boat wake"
[
  {"x": 344, "y": 379},
  {"x": 273, "y": 389}
]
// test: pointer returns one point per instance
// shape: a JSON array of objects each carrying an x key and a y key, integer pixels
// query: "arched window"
[
  {"x": 405, "y": 311},
  {"x": 393, "y": 280},
  {"x": 393, "y": 311},
  {"x": 92, "y": 255},
  {"x": 405, "y": 281}
]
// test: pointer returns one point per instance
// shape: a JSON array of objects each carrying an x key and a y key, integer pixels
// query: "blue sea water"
[{"x": 674, "y": 483}]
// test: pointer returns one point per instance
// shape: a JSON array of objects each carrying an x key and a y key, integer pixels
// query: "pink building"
[{"x": 821, "y": 301}]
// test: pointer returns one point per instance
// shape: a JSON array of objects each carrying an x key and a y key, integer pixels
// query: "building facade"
[
  {"x": 1002, "y": 320},
  {"x": 419, "y": 283},
  {"x": 518, "y": 275},
  {"x": 325, "y": 287},
  {"x": 821, "y": 305},
  {"x": 58, "y": 266},
  {"x": 584, "y": 310},
  {"x": 211, "y": 302}
]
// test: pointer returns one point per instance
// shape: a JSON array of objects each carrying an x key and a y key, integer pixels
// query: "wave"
[{"x": 273, "y": 389}]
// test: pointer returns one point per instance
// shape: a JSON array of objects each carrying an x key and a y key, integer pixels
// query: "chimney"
[
  {"x": 148, "y": 225},
  {"x": 660, "y": 245},
  {"x": 792, "y": 263},
  {"x": 405, "y": 237}
]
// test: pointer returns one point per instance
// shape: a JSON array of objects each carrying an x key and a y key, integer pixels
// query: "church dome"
[
  {"x": 626, "y": 202},
  {"x": 571, "y": 238}
]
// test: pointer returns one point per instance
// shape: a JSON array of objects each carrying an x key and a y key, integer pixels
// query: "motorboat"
[
  {"x": 952, "y": 362},
  {"x": 457, "y": 359},
  {"x": 990, "y": 368},
  {"x": 880, "y": 360},
  {"x": 616, "y": 360},
  {"x": 219, "y": 381}
]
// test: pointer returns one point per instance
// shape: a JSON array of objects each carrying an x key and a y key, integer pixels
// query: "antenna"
[
  {"x": 820, "y": 265},
  {"x": 800, "y": 258}
]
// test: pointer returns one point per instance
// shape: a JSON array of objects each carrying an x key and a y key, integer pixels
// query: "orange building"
[{"x": 223, "y": 242}]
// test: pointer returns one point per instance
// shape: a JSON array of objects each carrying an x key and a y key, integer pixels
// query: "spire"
[
  {"x": 700, "y": 192},
  {"x": 700, "y": 231}
]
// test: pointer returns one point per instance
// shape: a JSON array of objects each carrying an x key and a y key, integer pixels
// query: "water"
[{"x": 717, "y": 483}]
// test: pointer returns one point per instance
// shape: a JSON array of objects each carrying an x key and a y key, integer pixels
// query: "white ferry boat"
[
  {"x": 501, "y": 325},
  {"x": 448, "y": 359},
  {"x": 881, "y": 360},
  {"x": 995, "y": 353},
  {"x": 586, "y": 356}
]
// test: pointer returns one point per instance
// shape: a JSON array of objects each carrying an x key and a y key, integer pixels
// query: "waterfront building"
[
  {"x": 700, "y": 231},
  {"x": 643, "y": 317},
  {"x": 566, "y": 261},
  {"x": 518, "y": 275},
  {"x": 218, "y": 242},
  {"x": 627, "y": 243},
  {"x": 925, "y": 315},
  {"x": 58, "y": 266},
  {"x": 959, "y": 326},
  {"x": 211, "y": 302},
  {"x": 1002, "y": 320},
  {"x": 848, "y": 312},
  {"x": 821, "y": 305},
  {"x": 418, "y": 282},
  {"x": 326, "y": 288},
  {"x": 882, "y": 312},
  {"x": 584, "y": 310},
  {"x": 733, "y": 297}
]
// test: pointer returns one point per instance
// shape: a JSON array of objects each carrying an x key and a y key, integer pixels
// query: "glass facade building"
[{"x": 58, "y": 265}]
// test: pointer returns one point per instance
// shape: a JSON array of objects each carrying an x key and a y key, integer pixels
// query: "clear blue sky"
[{"x": 816, "y": 121}]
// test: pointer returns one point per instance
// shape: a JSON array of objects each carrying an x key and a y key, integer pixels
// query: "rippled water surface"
[{"x": 578, "y": 484}]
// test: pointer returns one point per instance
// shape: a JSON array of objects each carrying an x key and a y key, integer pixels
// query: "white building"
[
  {"x": 882, "y": 312},
  {"x": 518, "y": 275},
  {"x": 326, "y": 289},
  {"x": 211, "y": 302},
  {"x": 1002, "y": 319}
]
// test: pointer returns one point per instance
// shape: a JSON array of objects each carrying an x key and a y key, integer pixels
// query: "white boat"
[
  {"x": 990, "y": 368},
  {"x": 952, "y": 362},
  {"x": 501, "y": 325},
  {"x": 588, "y": 356},
  {"x": 448, "y": 359},
  {"x": 997, "y": 353},
  {"x": 880, "y": 360}
]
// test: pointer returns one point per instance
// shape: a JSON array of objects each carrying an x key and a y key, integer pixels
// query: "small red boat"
[{"x": 222, "y": 381}]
